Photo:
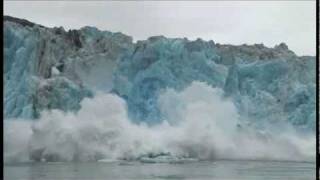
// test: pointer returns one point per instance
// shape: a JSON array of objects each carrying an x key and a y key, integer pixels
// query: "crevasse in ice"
[{"x": 50, "y": 68}]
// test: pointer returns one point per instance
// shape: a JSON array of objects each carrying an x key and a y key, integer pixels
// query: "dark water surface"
[{"x": 218, "y": 170}]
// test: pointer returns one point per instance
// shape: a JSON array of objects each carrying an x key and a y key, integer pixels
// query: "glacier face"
[
  {"x": 50, "y": 68},
  {"x": 268, "y": 85},
  {"x": 54, "y": 69}
]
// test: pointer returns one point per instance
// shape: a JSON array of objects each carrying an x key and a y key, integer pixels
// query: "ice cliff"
[{"x": 51, "y": 68}]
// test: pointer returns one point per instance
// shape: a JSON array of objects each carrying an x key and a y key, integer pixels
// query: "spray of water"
[{"x": 199, "y": 124}]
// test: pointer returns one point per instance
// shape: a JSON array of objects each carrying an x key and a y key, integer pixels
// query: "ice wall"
[
  {"x": 268, "y": 85},
  {"x": 50, "y": 68}
]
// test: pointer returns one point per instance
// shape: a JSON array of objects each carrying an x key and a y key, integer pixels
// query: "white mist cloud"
[{"x": 204, "y": 127}]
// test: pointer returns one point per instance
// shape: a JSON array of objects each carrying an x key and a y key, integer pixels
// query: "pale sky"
[{"x": 225, "y": 22}]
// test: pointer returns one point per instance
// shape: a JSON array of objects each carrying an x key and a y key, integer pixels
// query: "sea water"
[{"x": 214, "y": 170}]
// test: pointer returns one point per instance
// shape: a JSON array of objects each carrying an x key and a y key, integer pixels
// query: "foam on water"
[{"x": 200, "y": 124}]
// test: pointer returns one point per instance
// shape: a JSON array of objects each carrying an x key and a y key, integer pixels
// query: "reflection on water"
[{"x": 218, "y": 170}]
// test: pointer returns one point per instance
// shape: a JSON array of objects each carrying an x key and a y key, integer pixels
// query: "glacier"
[{"x": 50, "y": 69}]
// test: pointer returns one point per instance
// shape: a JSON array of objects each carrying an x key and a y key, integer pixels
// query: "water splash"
[{"x": 199, "y": 124}]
